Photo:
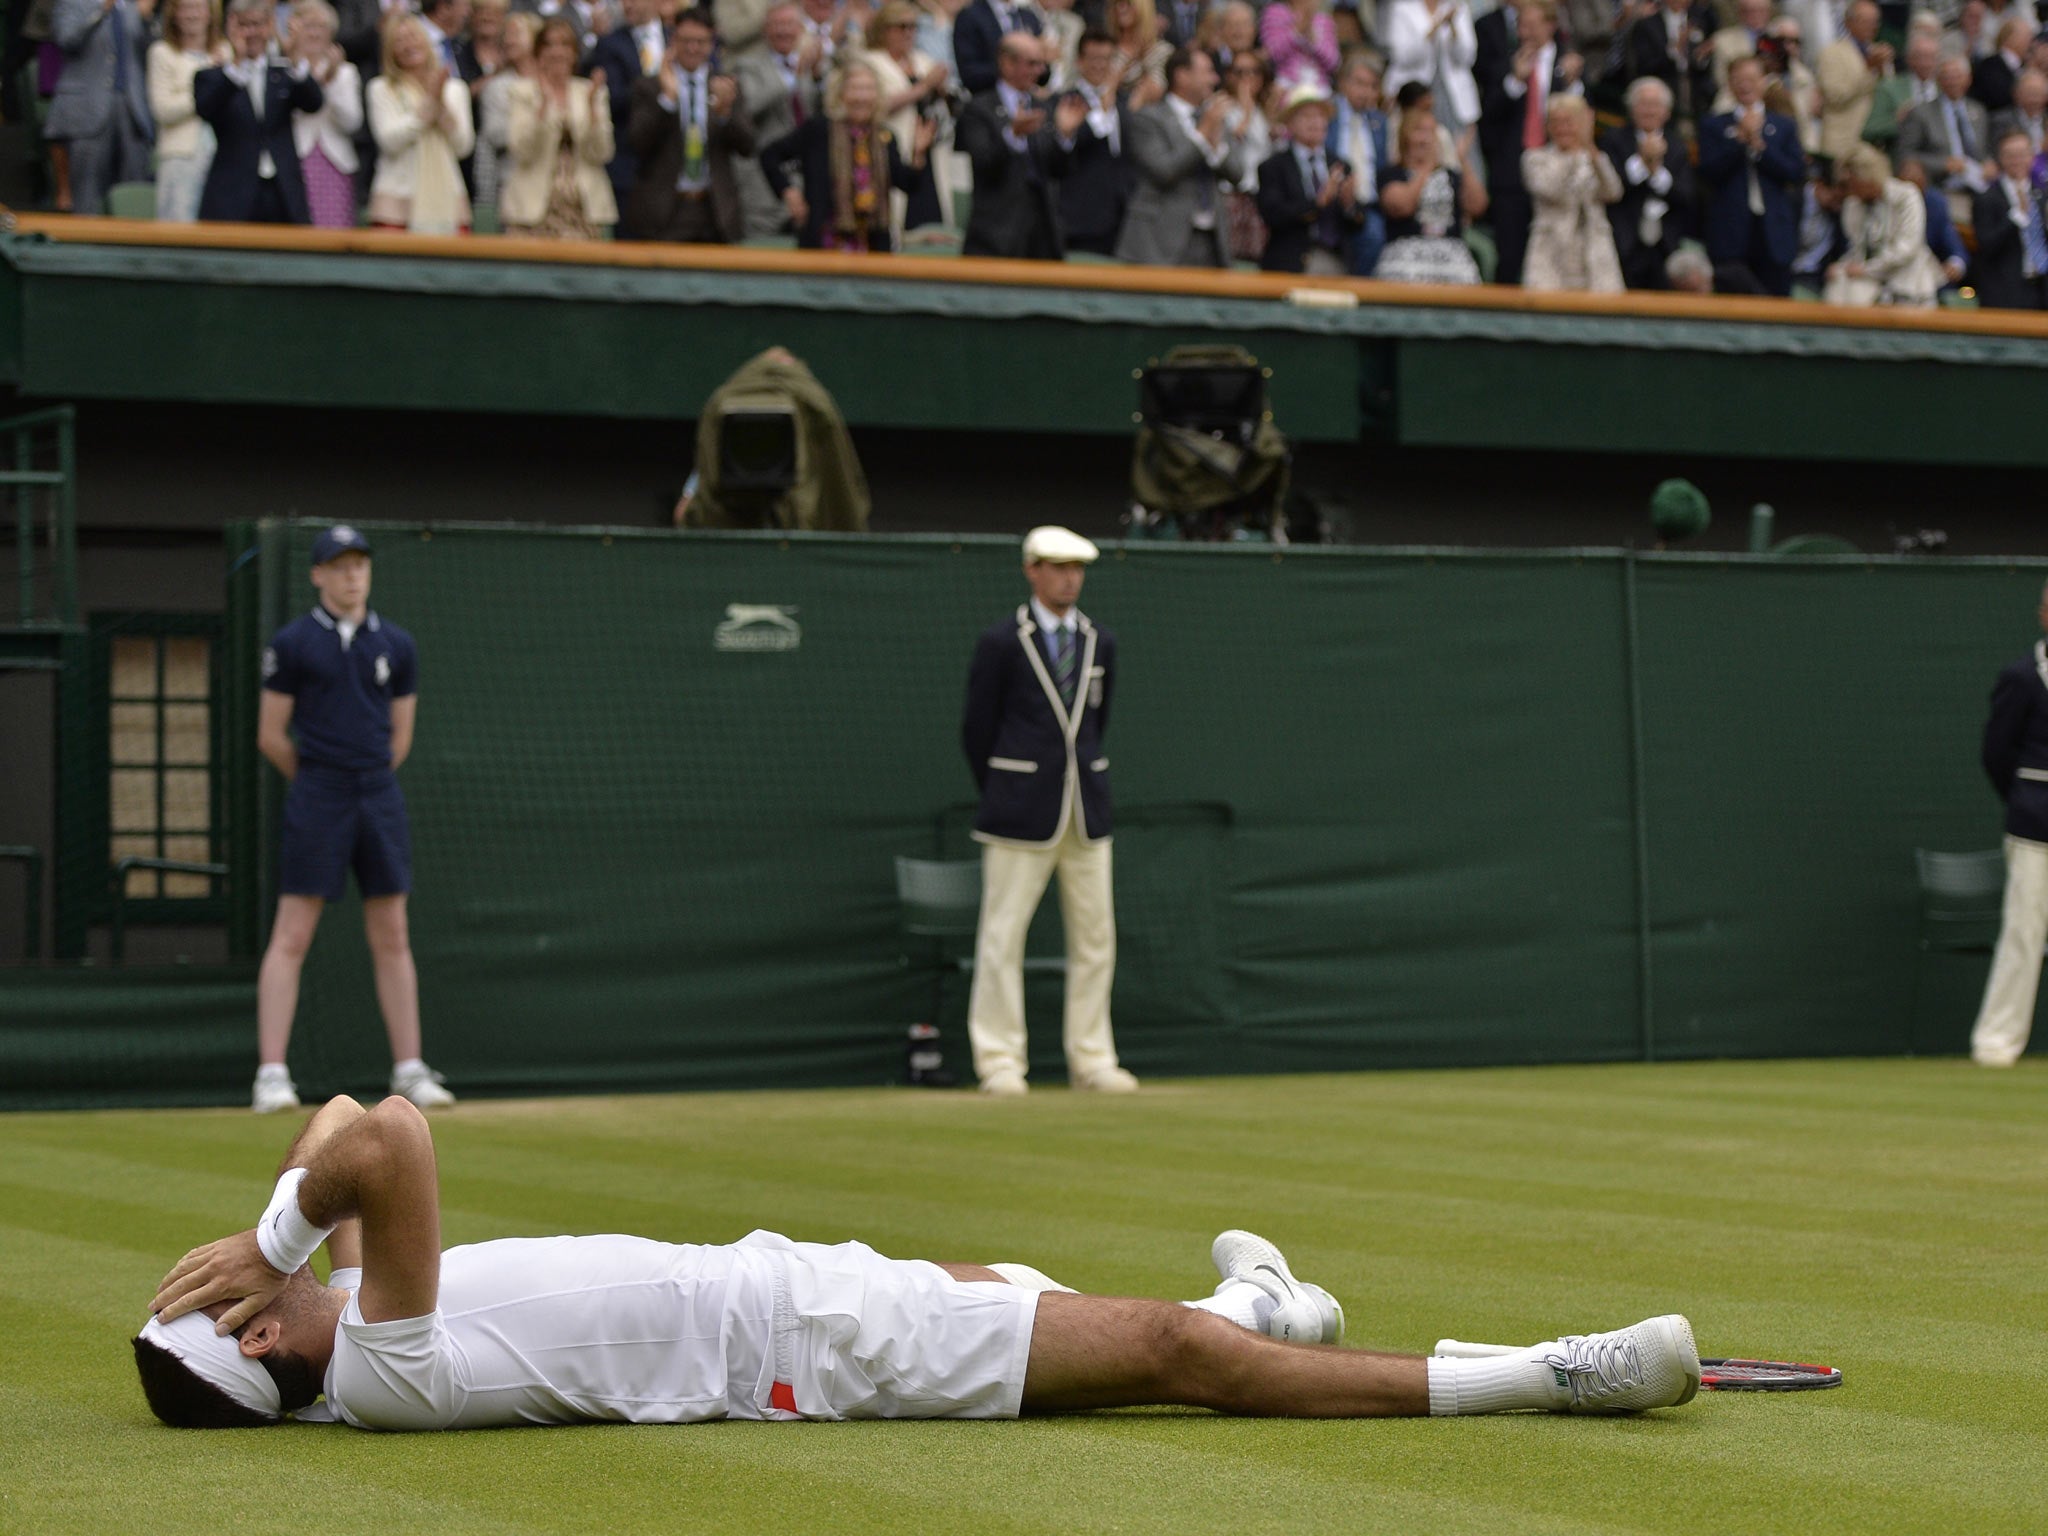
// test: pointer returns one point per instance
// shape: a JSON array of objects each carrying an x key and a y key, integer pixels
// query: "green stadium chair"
[
  {"x": 1816, "y": 544},
  {"x": 769, "y": 243},
  {"x": 484, "y": 220},
  {"x": 1480, "y": 243},
  {"x": 940, "y": 900},
  {"x": 1092, "y": 258},
  {"x": 132, "y": 200}
]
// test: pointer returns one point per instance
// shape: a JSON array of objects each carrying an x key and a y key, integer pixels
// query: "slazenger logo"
[{"x": 758, "y": 627}]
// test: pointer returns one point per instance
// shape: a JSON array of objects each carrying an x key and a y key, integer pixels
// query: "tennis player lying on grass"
[{"x": 566, "y": 1330}]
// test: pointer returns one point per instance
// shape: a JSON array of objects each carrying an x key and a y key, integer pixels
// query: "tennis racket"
[{"x": 1716, "y": 1375}]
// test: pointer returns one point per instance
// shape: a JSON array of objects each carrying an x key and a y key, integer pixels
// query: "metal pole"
[
  {"x": 1647, "y": 1017},
  {"x": 64, "y": 525},
  {"x": 25, "y": 527}
]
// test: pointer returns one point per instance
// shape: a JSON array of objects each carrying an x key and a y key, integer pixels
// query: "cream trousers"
[
  {"x": 1012, "y": 882},
  {"x": 2007, "y": 1017}
]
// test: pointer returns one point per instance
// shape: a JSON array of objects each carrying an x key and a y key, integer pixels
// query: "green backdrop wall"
[{"x": 1377, "y": 808}]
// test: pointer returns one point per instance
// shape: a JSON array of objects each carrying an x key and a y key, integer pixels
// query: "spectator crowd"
[{"x": 1861, "y": 153}]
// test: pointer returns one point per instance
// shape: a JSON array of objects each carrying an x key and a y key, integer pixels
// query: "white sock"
[
  {"x": 1240, "y": 1301},
  {"x": 1495, "y": 1384},
  {"x": 410, "y": 1064},
  {"x": 272, "y": 1072},
  {"x": 1027, "y": 1278}
]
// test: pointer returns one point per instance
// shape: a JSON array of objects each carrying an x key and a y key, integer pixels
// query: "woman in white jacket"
[
  {"x": 191, "y": 42},
  {"x": 1884, "y": 223},
  {"x": 560, "y": 143},
  {"x": 326, "y": 139},
  {"x": 420, "y": 119},
  {"x": 1433, "y": 41}
]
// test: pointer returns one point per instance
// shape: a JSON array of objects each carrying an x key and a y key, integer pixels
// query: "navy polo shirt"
[{"x": 342, "y": 694}]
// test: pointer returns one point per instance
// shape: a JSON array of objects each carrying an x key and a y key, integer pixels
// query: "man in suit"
[
  {"x": 444, "y": 21},
  {"x": 1657, "y": 200},
  {"x": 631, "y": 53},
  {"x": 1513, "y": 114},
  {"x": 979, "y": 30},
  {"x": 1901, "y": 91},
  {"x": 779, "y": 88},
  {"x": 687, "y": 131},
  {"x": 1097, "y": 187},
  {"x": 1182, "y": 147},
  {"x": 1849, "y": 71},
  {"x": 1498, "y": 34},
  {"x": 1180, "y": 20},
  {"x": 1753, "y": 171},
  {"x": 101, "y": 106},
  {"x": 2028, "y": 113},
  {"x": 1951, "y": 138},
  {"x": 2016, "y": 760},
  {"x": 1992, "y": 77},
  {"x": 255, "y": 177},
  {"x": 2011, "y": 270},
  {"x": 1019, "y": 151},
  {"x": 1358, "y": 136},
  {"x": 1307, "y": 196},
  {"x": 1038, "y": 697},
  {"x": 1676, "y": 45},
  {"x": 1739, "y": 39}
]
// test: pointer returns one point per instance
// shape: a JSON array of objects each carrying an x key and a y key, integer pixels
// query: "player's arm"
[
  {"x": 378, "y": 1167},
  {"x": 403, "y": 713},
  {"x": 345, "y": 1242},
  {"x": 272, "y": 738}
]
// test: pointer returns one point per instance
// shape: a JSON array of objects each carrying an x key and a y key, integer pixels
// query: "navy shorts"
[{"x": 336, "y": 821}]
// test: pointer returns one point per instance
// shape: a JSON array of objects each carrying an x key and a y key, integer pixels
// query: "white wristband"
[{"x": 285, "y": 1236}]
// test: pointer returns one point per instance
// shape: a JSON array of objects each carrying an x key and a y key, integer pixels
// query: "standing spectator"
[
  {"x": 835, "y": 24},
  {"x": 1752, "y": 167},
  {"x": 2028, "y": 113},
  {"x": 779, "y": 89},
  {"x": 1141, "y": 53},
  {"x": 912, "y": 86},
  {"x": 1061, "y": 37},
  {"x": 1903, "y": 90},
  {"x": 39, "y": 28},
  {"x": 1992, "y": 77},
  {"x": 687, "y": 134},
  {"x": 249, "y": 102},
  {"x": 1785, "y": 67},
  {"x": 1951, "y": 138},
  {"x": 1228, "y": 30},
  {"x": 1849, "y": 70},
  {"x": 558, "y": 144},
  {"x": 480, "y": 52},
  {"x": 1181, "y": 22},
  {"x": 1514, "y": 121},
  {"x": 2012, "y": 245},
  {"x": 1249, "y": 84},
  {"x": 1358, "y": 134},
  {"x": 493, "y": 159},
  {"x": 1018, "y": 150},
  {"x": 848, "y": 160},
  {"x": 1301, "y": 40},
  {"x": 1432, "y": 42},
  {"x": 100, "y": 111},
  {"x": 419, "y": 116},
  {"x": 1426, "y": 204},
  {"x": 629, "y": 54},
  {"x": 1740, "y": 39},
  {"x": 1675, "y": 44},
  {"x": 443, "y": 21},
  {"x": 1496, "y": 35},
  {"x": 977, "y": 32},
  {"x": 1572, "y": 184},
  {"x": 1307, "y": 196},
  {"x": 1038, "y": 699},
  {"x": 2016, "y": 760},
  {"x": 1097, "y": 187},
  {"x": 1182, "y": 152},
  {"x": 935, "y": 21},
  {"x": 192, "y": 41},
  {"x": 325, "y": 138},
  {"x": 340, "y": 699},
  {"x": 1657, "y": 200}
]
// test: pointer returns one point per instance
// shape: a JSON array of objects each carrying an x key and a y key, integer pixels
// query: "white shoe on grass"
[
  {"x": 422, "y": 1085},
  {"x": 273, "y": 1091},
  {"x": 1302, "y": 1313},
  {"x": 1108, "y": 1080},
  {"x": 1004, "y": 1085},
  {"x": 1655, "y": 1364}
]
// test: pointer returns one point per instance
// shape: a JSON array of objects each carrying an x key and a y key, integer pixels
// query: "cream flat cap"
[{"x": 1061, "y": 546}]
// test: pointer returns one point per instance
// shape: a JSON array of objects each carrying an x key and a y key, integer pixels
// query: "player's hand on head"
[{"x": 232, "y": 1269}]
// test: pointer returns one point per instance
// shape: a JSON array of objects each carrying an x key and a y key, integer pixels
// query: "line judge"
[{"x": 1038, "y": 697}]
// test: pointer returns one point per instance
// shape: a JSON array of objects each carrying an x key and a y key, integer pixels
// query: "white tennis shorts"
[{"x": 853, "y": 1335}]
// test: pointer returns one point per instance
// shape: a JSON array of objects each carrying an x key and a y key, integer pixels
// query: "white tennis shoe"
[
  {"x": 1302, "y": 1313},
  {"x": 1655, "y": 1364},
  {"x": 273, "y": 1092},
  {"x": 423, "y": 1085}
]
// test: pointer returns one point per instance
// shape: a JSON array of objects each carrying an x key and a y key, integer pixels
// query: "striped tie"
[{"x": 1063, "y": 663}]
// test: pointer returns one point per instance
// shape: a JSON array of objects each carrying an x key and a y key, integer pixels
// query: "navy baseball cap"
[{"x": 338, "y": 540}]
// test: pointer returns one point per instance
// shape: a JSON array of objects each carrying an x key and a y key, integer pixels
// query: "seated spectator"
[
  {"x": 1971, "y": 34},
  {"x": 1141, "y": 53},
  {"x": 1571, "y": 184},
  {"x": 326, "y": 138},
  {"x": 1228, "y": 30},
  {"x": 1818, "y": 243},
  {"x": 192, "y": 41},
  {"x": 912, "y": 86},
  {"x": 1899, "y": 93},
  {"x": 1849, "y": 70},
  {"x": 1751, "y": 168},
  {"x": 2028, "y": 113},
  {"x": 1308, "y": 196},
  {"x": 100, "y": 110},
  {"x": 1425, "y": 204},
  {"x": 1249, "y": 84},
  {"x": 1097, "y": 187},
  {"x": 687, "y": 134},
  {"x": 1018, "y": 150},
  {"x": 1687, "y": 270},
  {"x": 1358, "y": 134},
  {"x": 1432, "y": 43},
  {"x": 1658, "y": 203},
  {"x": 1992, "y": 77},
  {"x": 1184, "y": 156},
  {"x": 1675, "y": 44},
  {"x": 557, "y": 147},
  {"x": 2012, "y": 244},
  {"x": 1301, "y": 40},
  {"x": 847, "y": 159},
  {"x": 249, "y": 102},
  {"x": 779, "y": 86},
  {"x": 1943, "y": 239},
  {"x": 492, "y": 161},
  {"x": 978, "y": 30},
  {"x": 1884, "y": 223},
  {"x": 419, "y": 116},
  {"x": 1951, "y": 138}
]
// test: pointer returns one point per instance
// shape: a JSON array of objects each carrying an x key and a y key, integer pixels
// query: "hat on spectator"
[
  {"x": 1678, "y": 510},
  {"x": 338, "y": 540},
  {"x": 1304, "y": 95},
  {"x": 1060, "y": 546}
]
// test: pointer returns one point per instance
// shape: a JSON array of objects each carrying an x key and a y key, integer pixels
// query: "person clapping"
[
  {"x": 847, "y": 161},
  {"x": 560, "y": 142},
  {"x": 420, "y": 118},
  {"x": 1571, "y": 243}
]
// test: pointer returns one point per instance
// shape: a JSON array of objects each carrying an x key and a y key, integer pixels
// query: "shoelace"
[{"x": 1610, "y": 1360}]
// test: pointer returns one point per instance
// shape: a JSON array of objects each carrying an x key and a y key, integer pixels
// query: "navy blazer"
[
  {"x": 240, "y": 141},
  {"x": 1024, "y": 749},
  {"x": 2016, "y": 744},
  {"x": 1780, "y": 174},
  {"x": 977, "y": 34},
  {"x": 1097, "y": 186},
  {"x": 1291, "y": 214},
  {"x": 619, "y": 57}
]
